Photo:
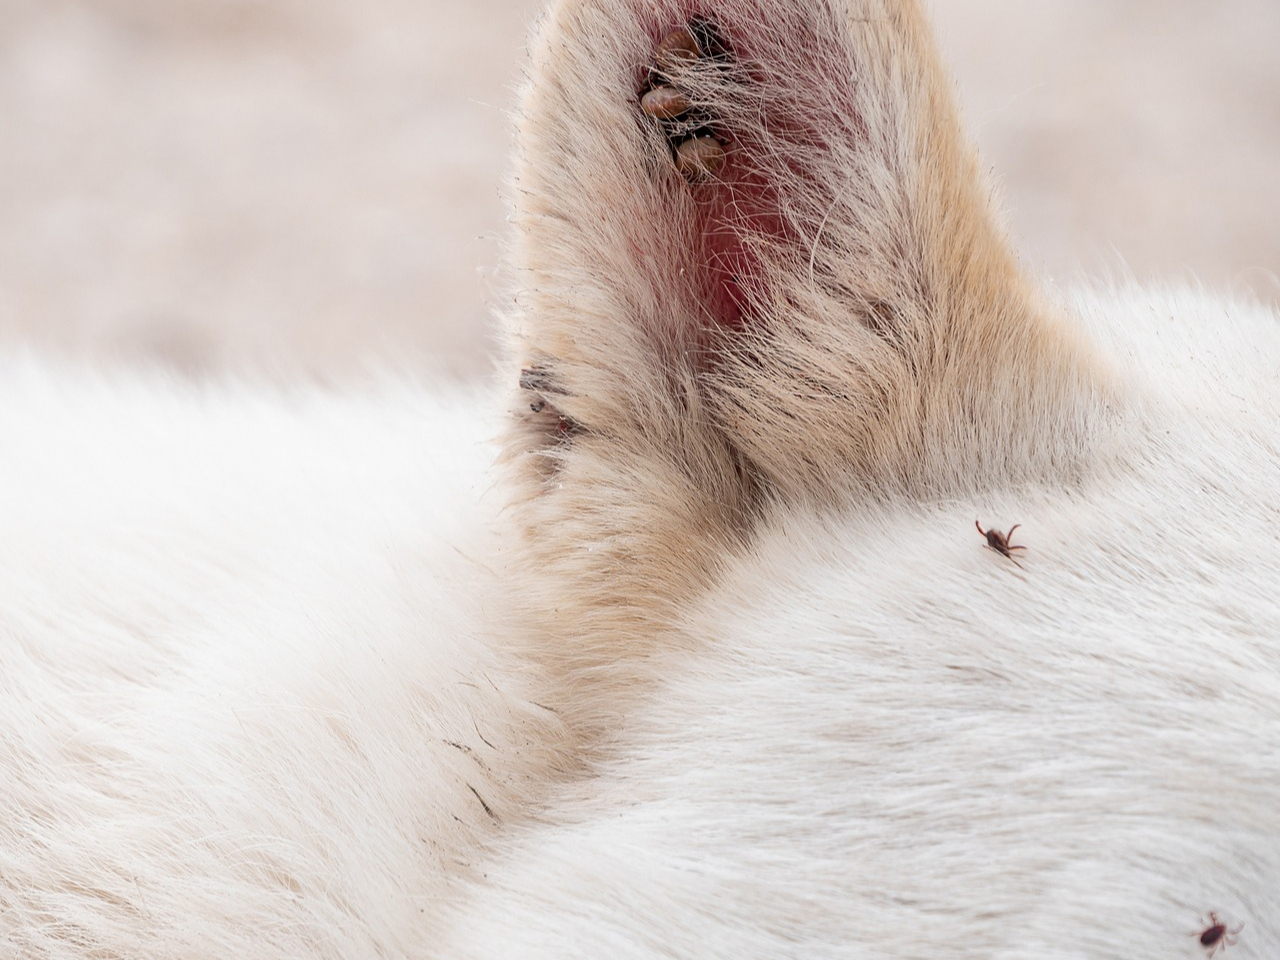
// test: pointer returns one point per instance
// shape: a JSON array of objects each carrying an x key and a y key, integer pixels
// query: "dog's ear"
[
  {"x": 756, "y": 259},
  {"x": 757, "y": 229}
]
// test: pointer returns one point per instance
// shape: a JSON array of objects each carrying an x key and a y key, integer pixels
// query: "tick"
[
  {"x": 1216, "y": 935},
  {"x": 999, "y": 542}
]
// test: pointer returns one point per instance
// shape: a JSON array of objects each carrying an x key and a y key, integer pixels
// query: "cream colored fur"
[{"x": 713, "y": 662}]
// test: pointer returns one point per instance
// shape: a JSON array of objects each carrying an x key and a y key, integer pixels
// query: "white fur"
[
  {"x": 237, "y": 629},
  {"x": 286, "y": 673},
  {"x": 895, "y": 743}
]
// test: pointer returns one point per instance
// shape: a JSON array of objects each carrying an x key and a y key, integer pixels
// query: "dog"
[{"x": 682, "y": 642}]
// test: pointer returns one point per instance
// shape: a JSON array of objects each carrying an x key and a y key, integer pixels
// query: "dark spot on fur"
[{"x": 487, "y": 809}]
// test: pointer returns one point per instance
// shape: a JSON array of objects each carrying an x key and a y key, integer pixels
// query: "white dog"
[{"x": 714, "y": 662}]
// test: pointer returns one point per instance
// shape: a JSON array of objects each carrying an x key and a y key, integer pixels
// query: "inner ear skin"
[{"x": 735, "y": 207}]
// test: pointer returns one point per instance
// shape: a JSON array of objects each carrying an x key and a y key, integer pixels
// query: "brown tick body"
[
  {"x": 697, "y": 149},
  {"x": 999, "y": 542},
  {"x": 1217, "y": 935}
]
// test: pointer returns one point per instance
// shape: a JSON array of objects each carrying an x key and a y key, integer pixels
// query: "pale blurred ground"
[{"x": 271, "y": 186}]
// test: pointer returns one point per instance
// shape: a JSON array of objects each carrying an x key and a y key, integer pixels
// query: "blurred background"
[{"x": 279, "y": 187}]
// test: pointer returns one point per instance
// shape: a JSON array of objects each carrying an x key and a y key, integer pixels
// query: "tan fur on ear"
[
  {"x": 895, "y": 344},
  {"x": 835, "y": 314}
]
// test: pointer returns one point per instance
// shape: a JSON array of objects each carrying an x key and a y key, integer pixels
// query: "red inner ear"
[
  {"x": 785, "y": 98},
  {"x": 737, "y": 209},
  {"x": 736, "y": 212}
]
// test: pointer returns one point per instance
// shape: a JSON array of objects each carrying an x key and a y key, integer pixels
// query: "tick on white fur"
[
  {"x": 1216, "y": 935},
  {"x": 999, "y": 542}
]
